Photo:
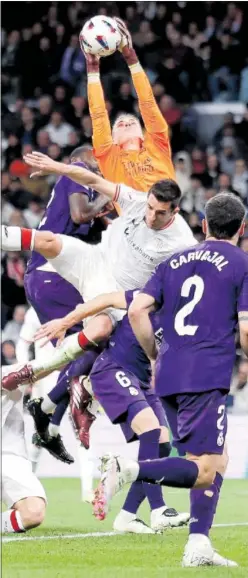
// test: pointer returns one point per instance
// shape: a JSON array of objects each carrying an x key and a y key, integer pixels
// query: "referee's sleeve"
[{"x": 128, "y": 198}]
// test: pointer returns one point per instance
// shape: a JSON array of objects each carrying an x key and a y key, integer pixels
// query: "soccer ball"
[{"x": 100, "y": 36}]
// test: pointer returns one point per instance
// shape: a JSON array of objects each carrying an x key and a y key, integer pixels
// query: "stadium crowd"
[{"x": 191, "y": 51}]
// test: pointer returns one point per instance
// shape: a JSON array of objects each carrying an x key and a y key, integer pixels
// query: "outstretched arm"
[
  {"x": 140, "y": 322},
  {"x": 153, "y": 119},
  {"x": 57, "y": 328},
  {"x": 42, "y": 164},
  {"x": 102, "y": 136}
]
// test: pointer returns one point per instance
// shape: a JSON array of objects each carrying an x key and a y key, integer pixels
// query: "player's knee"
[
  {"x": 223, "y": 462},
  {"x": 32, "y": 512},
  {"x": 101, "y": 326},
  {"x": 144, "y": 421},
  {"x": 207, "y": 470},
  {"x": 164, "y": 435}
]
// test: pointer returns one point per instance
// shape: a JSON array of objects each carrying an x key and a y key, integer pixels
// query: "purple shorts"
[
  {"x": 119, "y": 391},
  {"x": 51, "y": 296},
  {"x": 198, "y": 421}
]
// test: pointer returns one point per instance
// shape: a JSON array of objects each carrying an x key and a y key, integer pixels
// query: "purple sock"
[
  {"x": 60, "y": 410},
  {"x": 173, "y": 472},
  {"x": 148, "y": 449},
  {"x": 203, "y": 504},
  {"x": 81, "y": 366}
]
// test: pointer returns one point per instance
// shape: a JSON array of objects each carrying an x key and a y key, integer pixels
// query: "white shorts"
[
  {"x": 85, "y": 267},
  {"x": 18, "y": 480}
]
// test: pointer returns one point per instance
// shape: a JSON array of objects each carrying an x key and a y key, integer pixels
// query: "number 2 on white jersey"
[{"x": 187, "y": 309}]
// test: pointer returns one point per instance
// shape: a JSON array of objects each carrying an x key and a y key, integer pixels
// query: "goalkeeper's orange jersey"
[{"x": 137, "y": 169}]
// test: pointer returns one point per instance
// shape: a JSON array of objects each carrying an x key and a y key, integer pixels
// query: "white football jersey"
[
  {"x": 134, "y": 250},
  {"x": 13, "y": 439}
]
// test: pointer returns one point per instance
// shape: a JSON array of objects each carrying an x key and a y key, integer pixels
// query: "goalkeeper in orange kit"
[{"x": 125, "y": 154}]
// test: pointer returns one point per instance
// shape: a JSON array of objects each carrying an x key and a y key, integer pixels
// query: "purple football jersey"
[
  {"x": 124, "y": 348},
  {"x": 201, "y": 291},
  {"x": 57, "y": 214}
]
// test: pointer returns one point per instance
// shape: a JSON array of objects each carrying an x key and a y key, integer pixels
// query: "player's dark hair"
[
  {"x": 224, "y": 214},
  {"x": 79, "y": 150},
  {"x": 166, "y": 191}
]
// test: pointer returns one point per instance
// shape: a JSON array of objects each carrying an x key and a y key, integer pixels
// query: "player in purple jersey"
[
  {"x": 71, "y": 210},
  {"x": 202, "y": 293},
  {"x": 120, "y": 379}
]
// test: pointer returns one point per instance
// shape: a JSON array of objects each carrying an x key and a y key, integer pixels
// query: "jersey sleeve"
[
  {"x": 129, "y": 199},
  {"x": 155, "y": 285},
  {"x": 154, "y": 121},
  {"x": 242, "y": 304},
  {"x": 71, "y": 187},
  {"x": 130, "y": 295},
  {"x": 102, "y": 136}
]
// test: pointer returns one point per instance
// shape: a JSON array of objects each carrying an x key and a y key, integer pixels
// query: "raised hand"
[
  {"x": 92, "y": 60},
  {"x": 42, "y": 164},
  {"x": 126, "y": 36},
  {"x": 54, "y": 329}
]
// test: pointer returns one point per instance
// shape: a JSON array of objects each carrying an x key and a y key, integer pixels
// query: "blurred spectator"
[
  {"x": 13, "y": 269},
  {"x": 28, "y": 131},
  {"x": 240, "y": 389},
  {"x": 224, "y": 184},
  {"x": 33, "y": 214},
  {"x": 86, "y": 125},
  {"x": 194, "y": 200},
  {"x": 125, "y": 101},
  {"x": 43, "y": 141},
  {"x": 198, "y": 160},
  {"x": 182, "y": 164},
  {"x": 44, "y": 110},
  {"x": 73, "y": 62},
  {"x": 212, "y": 170},
  {"x": 8, "y": 355},
  {"x": 58, "y": 130},
  {"x": 228, "y": 155},
  {"x": 12, "y": 328},
  {"x": 240, "y": 179}
]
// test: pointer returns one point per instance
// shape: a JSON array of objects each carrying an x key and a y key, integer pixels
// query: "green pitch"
[{"x": 58, "y": 551}]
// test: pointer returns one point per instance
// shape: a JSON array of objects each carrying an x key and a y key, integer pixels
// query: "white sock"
[
  {"x": 12, "y": 522},
  {"x": 11, "y": 238},
  {"x": 53, "y": 430},
  {"x": 130, "y": 470},
  {"x": 67, "y": 352},
  {"x": 34, "y": 455},
  {"x": 47, "y": 405},
  {"x": 86, "y": 466}
]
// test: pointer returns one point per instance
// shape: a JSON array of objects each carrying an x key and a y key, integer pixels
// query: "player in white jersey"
[
  {"x": 29, "y": 328},
  {"x": 149, "y": 231},
  {"x": 40, "y": 388},
  {"x": 22, "y": 492}
]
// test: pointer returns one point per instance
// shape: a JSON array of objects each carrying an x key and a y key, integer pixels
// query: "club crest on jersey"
[{"x": 133, "y": 391}]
